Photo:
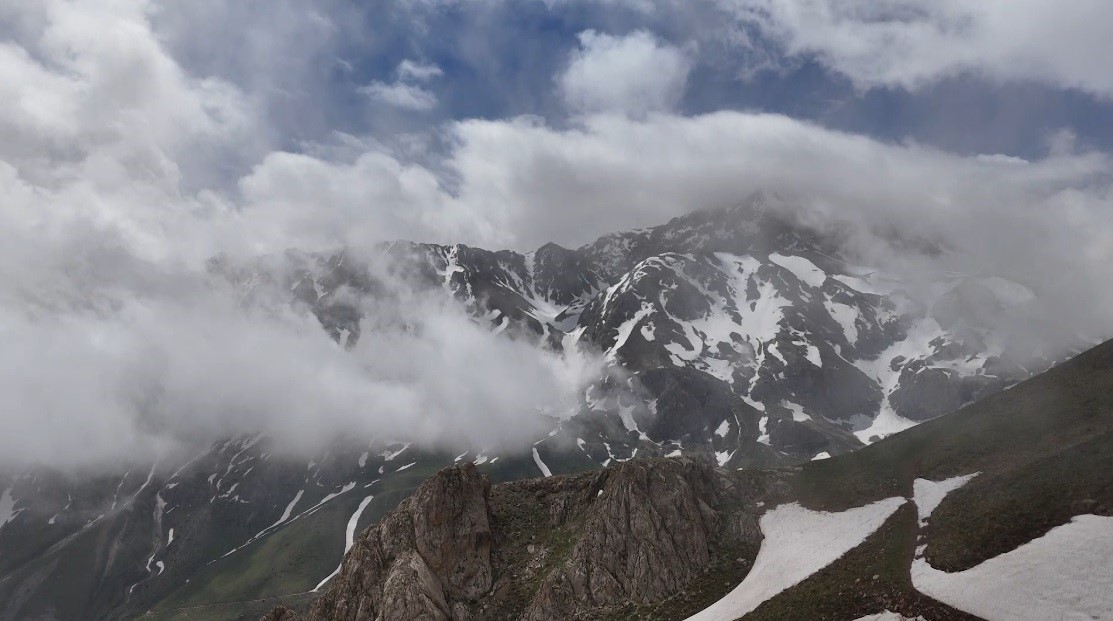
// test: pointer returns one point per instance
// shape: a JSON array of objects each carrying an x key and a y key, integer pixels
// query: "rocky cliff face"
[
  {"x": 632, "y": 538},
  {"x": 435, "y": 548}
]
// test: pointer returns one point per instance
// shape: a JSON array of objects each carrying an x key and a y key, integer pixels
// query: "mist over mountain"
[{"x": 267, "y": 267}]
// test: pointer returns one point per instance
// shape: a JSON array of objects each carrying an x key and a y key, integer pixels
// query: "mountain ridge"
[
  {"x": 1050, "y": 421},
  {"x": 730, "y": 336}
]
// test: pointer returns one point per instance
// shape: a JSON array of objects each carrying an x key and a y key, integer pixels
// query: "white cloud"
[
  {"x": 403, "y": 93},
  {"x": 103, "y": 289},
  {"x": 400, "y": 95},
  {"x": 412, "y": 70},
  {"x": 909, "y": 43},
  {"x": 190, "y": 363},
  {"x": 118, "y": 342},
  {"x": 520, "y": 183},
  {"x": 634, "y": 74},
  {"x": 92, "y": 77},
  {"x": 298, "y": 200}
]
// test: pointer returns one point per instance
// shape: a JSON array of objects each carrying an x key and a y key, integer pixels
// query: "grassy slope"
[
  {"x": 280, "y": 568},
  {"x": 870, "y": 578},
  {"x": 1041, "y": 447},
  {"x": 1045, "y": 451}
]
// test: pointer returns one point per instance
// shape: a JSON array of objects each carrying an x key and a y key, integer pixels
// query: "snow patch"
[
  {"x": 540, "y": 464},
  {"x": 1063, "y": 575},
  {"x": 289, "y": 508},
  {"x": 928, "y": 494},
  {"x": 763, "y": 429},
  {"x": 812, "y": 354},
  {"x": 349, "y": 539},
  {"x": 800, "y": 267},
  {"x": 888, "y": 616},
  {"x": 797, "y": 410},
  {"x": 724, "y": 429},
  {"x": 798, "y": 542},
  {"x": 626, "y": 329},
  {"x": 822, "y": 455},
  {"x": 846, "y": 316},
  {"x": 350, "y": 531},
  {"x": 7, "y": 507},
  {"x": 867, "y": 283},
  {"x": 389, "y": 455},
  {"x": 886, "y": 424}
]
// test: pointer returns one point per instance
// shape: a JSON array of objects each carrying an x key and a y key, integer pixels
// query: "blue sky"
[
  {"x": 501, "y": 59},
  {"x": 337, "y": 123}
]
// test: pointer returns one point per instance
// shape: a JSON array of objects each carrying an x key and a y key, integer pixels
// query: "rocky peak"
[
  {"x": 566, "y": 547},
  {"x": 433, "y": 549}
]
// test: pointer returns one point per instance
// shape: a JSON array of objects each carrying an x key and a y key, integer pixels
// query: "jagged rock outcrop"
[
  {"x": 434, "y": 548},
  {"x": 567, "y": 547},
  {"x": 648, "y": 534}
]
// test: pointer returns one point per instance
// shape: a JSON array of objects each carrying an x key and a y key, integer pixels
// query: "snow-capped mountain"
[
  {"x": 736, "y": 335},
  {"x": 808, "y": 352}
]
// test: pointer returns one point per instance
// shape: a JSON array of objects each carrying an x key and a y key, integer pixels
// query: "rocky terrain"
[
  {"x": 597, "y": 545},
  {"x": 999, "y": 510}
]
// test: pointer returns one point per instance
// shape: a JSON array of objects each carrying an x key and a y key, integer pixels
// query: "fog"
[{"x": 132, "y": 373}]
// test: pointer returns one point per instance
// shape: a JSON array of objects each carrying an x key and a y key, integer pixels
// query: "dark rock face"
[
  {"x": 791, "y": 436},
  {"x": 925, "y": 393},
  {"x": 690, "y": 405},
  {"x": 648, "y": 535},
  {"x": 558, "y": 548},
  {"x": 434, "y": 548}
]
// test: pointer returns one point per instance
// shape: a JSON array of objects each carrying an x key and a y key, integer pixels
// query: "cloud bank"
[
  {"x": 124, "y": 169},
  {"x": 909, "y": 44}
]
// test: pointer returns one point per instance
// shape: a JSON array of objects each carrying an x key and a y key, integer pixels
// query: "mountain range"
[
  {"x": 734, "y": 343},
  {"x": 1000, "y": 510}
]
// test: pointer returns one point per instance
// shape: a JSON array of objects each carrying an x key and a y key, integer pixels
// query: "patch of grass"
[
  {"x": 295, "y": 558},
  {"x": 1042, "y": 447},
  {"x": 1045, "y": 416},
  {"x": 1045, "y": 453},
  {"x": 870, "y": 578},
  {"x": 997, "y": 513}
]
